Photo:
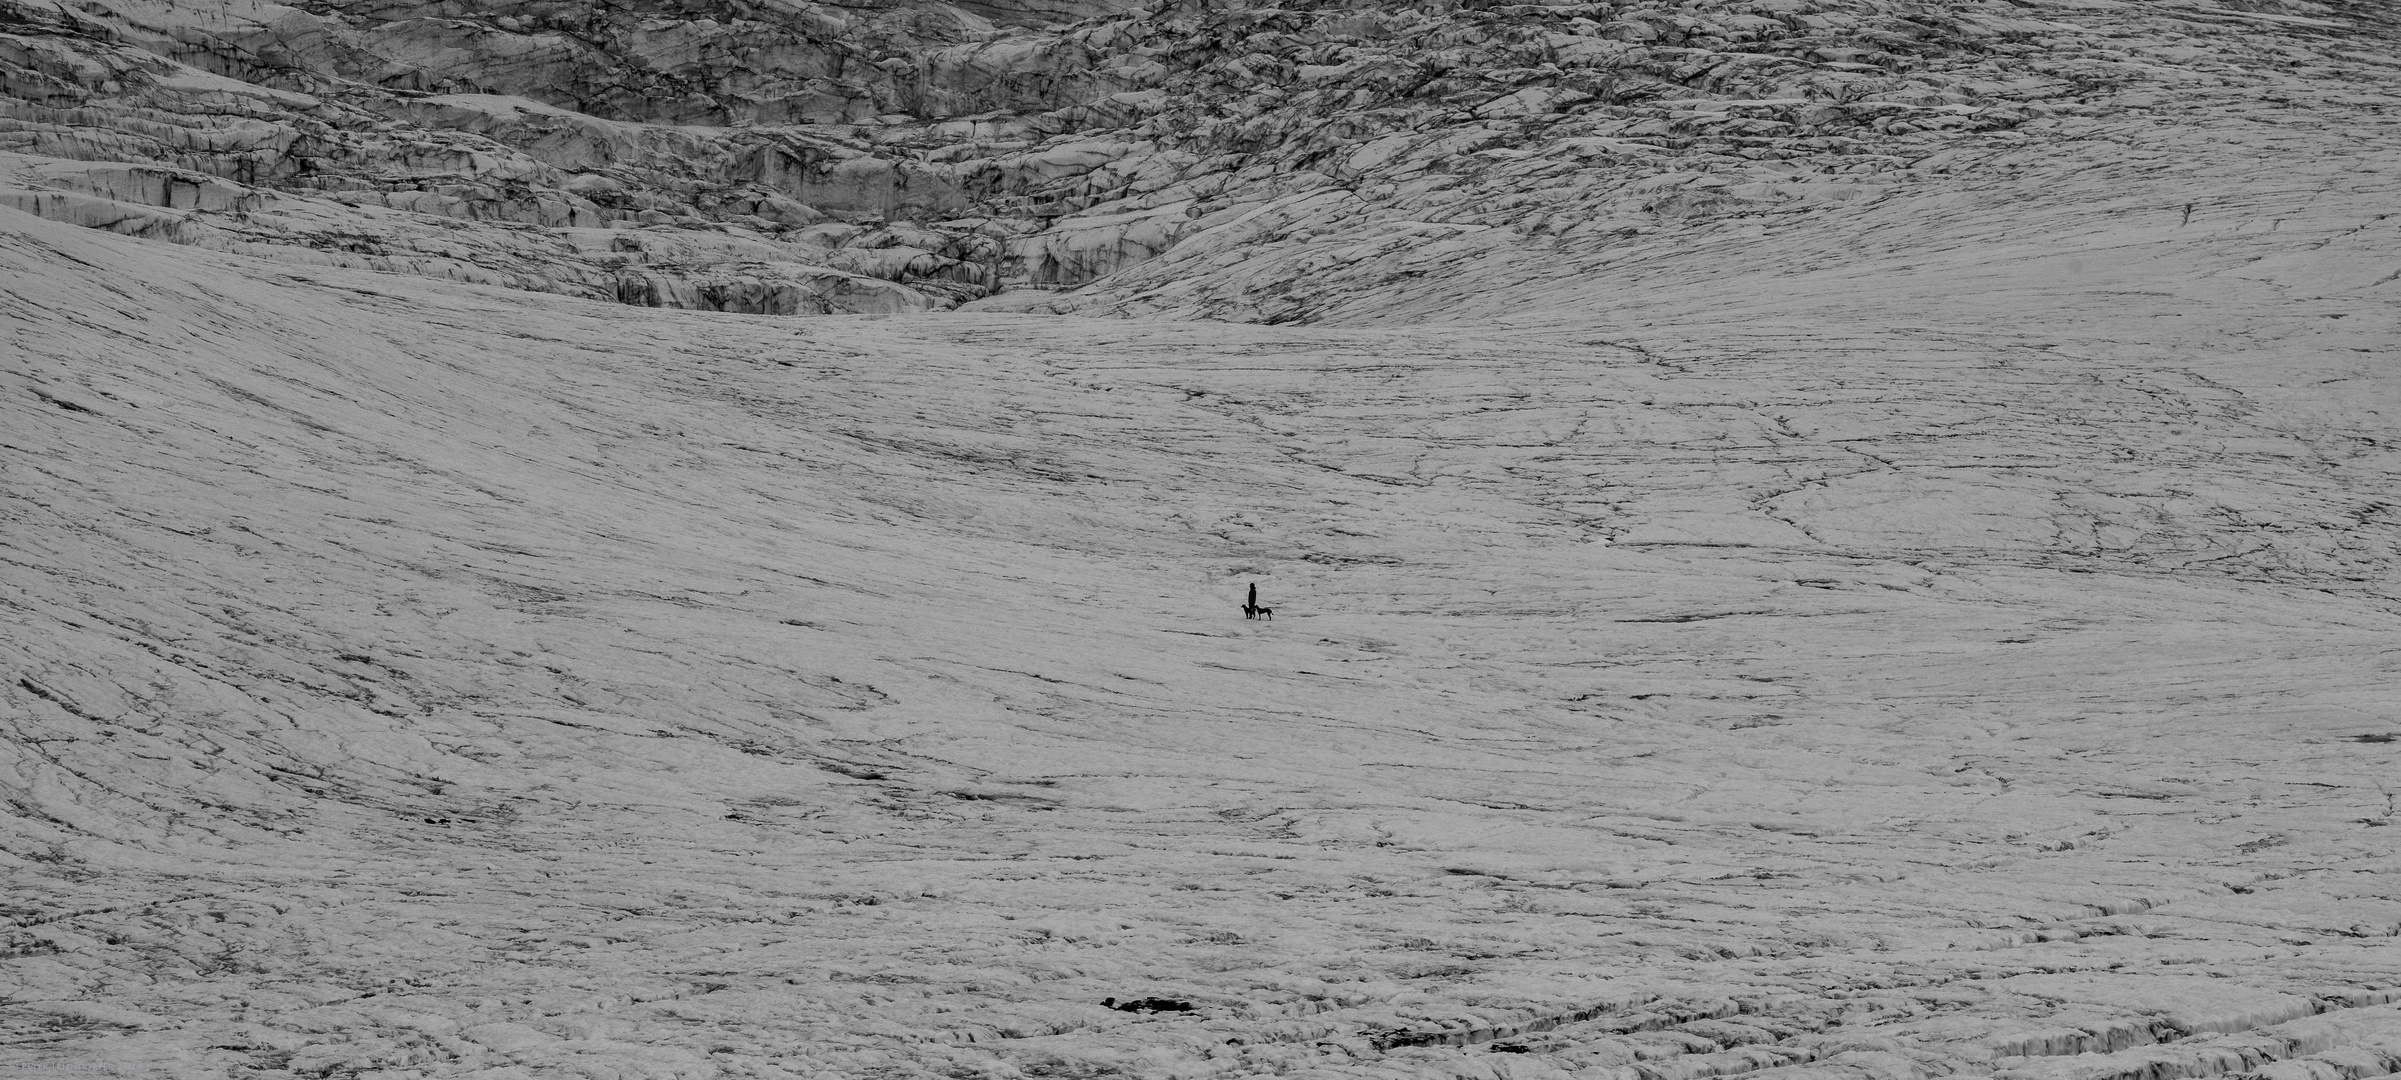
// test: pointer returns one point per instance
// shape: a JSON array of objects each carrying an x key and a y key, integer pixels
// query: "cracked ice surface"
[{"x": 405, "y": 679}]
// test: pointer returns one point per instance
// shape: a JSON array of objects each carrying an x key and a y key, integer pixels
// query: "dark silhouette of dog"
[{"x": 1251, "y": 608}]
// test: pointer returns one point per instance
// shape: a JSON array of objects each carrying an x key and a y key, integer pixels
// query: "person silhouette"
[{"x": 1251, "y": 608}]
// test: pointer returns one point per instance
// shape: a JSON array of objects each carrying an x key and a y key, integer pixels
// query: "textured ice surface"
[{"x": 1871, "y": 673}]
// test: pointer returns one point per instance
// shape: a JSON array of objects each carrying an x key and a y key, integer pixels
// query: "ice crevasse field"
[{"x": 1950, "y": 638}]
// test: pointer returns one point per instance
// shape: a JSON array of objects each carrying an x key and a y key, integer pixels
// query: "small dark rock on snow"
[{"x": 1149, "y": 1005}]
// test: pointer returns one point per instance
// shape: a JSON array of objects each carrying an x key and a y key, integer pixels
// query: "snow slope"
[{"x": 411, "y": 679}]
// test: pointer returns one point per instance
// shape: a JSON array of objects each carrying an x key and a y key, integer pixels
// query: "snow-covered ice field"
[{"x": 1974, "y": 661}]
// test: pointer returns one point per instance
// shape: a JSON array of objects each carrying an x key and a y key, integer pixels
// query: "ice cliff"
[{"x": 790, "y": 157}]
